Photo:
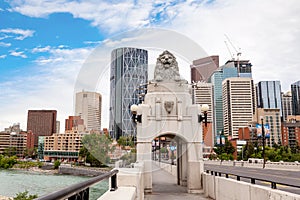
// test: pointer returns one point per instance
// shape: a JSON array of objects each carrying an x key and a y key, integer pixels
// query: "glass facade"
[
  {"x": 269, "y": 95},
  {"x": 129, "y": 69},
  {"x": 295, "y": 88},
  {"x": 226, "y": 71}
]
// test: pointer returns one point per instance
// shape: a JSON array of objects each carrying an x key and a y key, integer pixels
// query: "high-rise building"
[
  {"x": 129, "y": 69},
  {"x": 73, "y": 122},
  {"x": 295, "y": 88},
  {"x": 238, "y": 104},
  {"x": 88, "y": 107},
  {"x": 269, "y": 95},
  {"x": 244, "y": 67},
  {"x": 287, "y": 105},
  {"x": 41, "y": 123},
  {"x": 272, "y": 119},
  {"x": 203, "y": 94},
  {"x": 202, "y": 68},
  {"x": 232, "y": 68}
]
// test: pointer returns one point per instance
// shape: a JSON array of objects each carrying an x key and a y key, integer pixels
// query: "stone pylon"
[{"x": 168, "y": 110}]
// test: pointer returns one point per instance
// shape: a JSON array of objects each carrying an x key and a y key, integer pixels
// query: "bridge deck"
[{"x": 165, "y": 187}]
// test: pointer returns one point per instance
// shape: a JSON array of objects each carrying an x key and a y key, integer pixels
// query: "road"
[{"x": 286, "y": 180}]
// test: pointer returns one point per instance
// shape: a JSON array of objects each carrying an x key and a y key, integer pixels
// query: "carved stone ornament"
[
  {"x": 166, "y": 68},
  {"x": 169, "y": 106}
]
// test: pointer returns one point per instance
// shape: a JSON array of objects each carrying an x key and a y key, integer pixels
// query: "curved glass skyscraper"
[{"x": 129, "y": 69}]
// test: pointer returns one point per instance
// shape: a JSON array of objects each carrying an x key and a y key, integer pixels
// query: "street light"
[
  {"x": 204, "y": 109},
  {"x": 134, "y": 110},
  {"x": 263, "y": 140}
]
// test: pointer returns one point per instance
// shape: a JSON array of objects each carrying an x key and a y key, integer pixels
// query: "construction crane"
[{"x": 238, "y": 52}]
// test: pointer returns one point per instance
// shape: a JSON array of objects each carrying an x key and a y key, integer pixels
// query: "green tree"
[
  {"x": 126, "y": 141},
  {"x": 10, "y": 151},
  {"x": 31, "y": 152},
  {"x": 225, "y": 152},
  {"x": 7, "y": 162},
  {"x": 96, "y": 148},
  {"x": 56, "y": 164},
  {"x": 25, "y": 196}
]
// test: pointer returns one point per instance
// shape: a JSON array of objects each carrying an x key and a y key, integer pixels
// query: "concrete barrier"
[
  {"x": 126, "y": 193},
  {"x": 221, "y": 188},
  {"x": 172, "y": 169}
]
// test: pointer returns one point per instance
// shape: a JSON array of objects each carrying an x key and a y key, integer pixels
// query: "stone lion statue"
[{"x": 166, "y": 68}]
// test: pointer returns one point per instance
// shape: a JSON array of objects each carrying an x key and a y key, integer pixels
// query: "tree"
[
  {"x": 56, "y": 164},
  {"x": 25, "y": 196},
  {"x": 96, "y": 148},
  {"x": 225, "y": 152},
  {"x": 126, "y": 141}
]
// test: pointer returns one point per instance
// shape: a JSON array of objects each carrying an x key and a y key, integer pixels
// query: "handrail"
[
  {"x": 238, "y": 178},
  {"x": 81, "y": 189}
]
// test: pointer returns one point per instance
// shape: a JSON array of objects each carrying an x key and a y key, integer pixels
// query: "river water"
[{"x": 15, "y": 181}]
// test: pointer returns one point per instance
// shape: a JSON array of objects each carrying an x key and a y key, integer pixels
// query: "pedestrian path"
[{"x": 165, "y": 187}]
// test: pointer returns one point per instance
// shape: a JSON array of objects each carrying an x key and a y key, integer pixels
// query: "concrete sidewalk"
[{"x": 165, "y": 187}]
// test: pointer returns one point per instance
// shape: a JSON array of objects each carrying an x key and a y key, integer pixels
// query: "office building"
[
  {"x": 63, "y": 146},
  {"x": 13, "y": 141},
  {"x": 295, "y": 89},
  {"x": 272, "y": 123},
  {"x": 291, "y": 131},
  {"x": 238, "y": 104},
  {"x": 88, "y": 107},
  {"x": 41, "y": 123},
  {"x": 287, "y": 105},
  {"x": 244, "y": 67},
  {"x": 73, "y": 122},
  {"x": 129, "y": 69},
  {"x": 203, "y": 94},
  {"x": 202, "y": 68},
  {"x": 269, "y": 95}
]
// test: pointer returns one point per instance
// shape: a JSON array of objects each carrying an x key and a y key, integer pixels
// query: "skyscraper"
[
  {"x": 41, "y": 123},
  {"x": 238, "y": 104},
  {"x": 203, "y": 94},
  {"x": 129, "y": 69},
  {"x": 202, "y": 68},
  {"x": 295, "y": 88},
  {"x": 287, "y": 105},
  {"x": 269, "y": 95},
  {"x": 88, "y": 107}
]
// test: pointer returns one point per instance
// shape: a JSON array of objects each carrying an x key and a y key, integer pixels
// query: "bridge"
[{"x": 167, "y": 111}]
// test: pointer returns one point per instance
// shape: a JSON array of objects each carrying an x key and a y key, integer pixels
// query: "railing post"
[
  {"x": 220, "y": 174},
  {"x": 273, "y": 185},
  {"x": 252, "y": 180},
  {"x": 114, "y": 185},
  {"x": 238, "y": 178},
  {"x": 227, "y": 175}
]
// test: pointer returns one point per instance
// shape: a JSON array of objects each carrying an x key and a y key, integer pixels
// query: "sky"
[{"x": 46, "y": 46}]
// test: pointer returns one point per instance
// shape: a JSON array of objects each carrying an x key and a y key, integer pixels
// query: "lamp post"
[
  {"x": 263, "y": 140},
  {"x": 204, "y": 109}
]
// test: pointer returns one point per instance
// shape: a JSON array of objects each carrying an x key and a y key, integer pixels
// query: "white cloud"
[
  {"x": 267, "y": 32},
  {"x": 40, "y": 49},
  {"x": 18, "y": 34},
  {"x": 4, "y": 44},
  {"x": 2, "y": 56},
  {"x": 18, "y": 54},
  {"x": 49, "y": 85}
]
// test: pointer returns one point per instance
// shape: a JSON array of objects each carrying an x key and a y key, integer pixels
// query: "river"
[{"x": 15, "y": 181}]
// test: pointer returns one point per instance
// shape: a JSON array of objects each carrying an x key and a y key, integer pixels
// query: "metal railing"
[
  {"x": 80, "y": 191},
  {"x": 252, "y": 180}
]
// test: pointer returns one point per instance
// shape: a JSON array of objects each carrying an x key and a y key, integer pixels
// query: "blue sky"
[{"x": 43, "y": 44}]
